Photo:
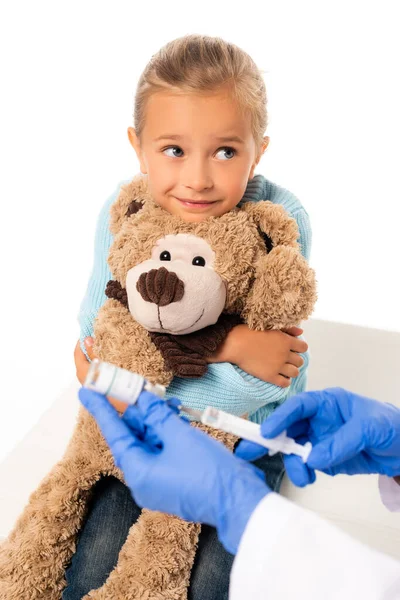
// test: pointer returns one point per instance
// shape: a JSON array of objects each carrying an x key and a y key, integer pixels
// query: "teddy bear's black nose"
[{"x": 160, "y": 286}]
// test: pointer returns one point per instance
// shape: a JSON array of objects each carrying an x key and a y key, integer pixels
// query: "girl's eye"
[
  {"x": 165, "y": 255},
  {"x": 228, "y": 153},
  {"x": 173, "y": 152}
]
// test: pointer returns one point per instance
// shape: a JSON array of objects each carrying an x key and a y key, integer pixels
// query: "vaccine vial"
[{"x": 121, "y": 384}]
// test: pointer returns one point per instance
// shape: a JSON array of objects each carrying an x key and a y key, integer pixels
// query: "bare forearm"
[
  {"x": 228, "y": 351},
  {"x": 272, "y": 356}
]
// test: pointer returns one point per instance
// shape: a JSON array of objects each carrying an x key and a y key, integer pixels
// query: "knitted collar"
[{"x": 255, "y": 189}]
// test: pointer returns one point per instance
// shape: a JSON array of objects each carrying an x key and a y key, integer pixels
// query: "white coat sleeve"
[{"x": 288, "y": 552}]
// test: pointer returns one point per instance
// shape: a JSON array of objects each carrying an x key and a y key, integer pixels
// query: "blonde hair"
[{"x": 203, "y": 64}]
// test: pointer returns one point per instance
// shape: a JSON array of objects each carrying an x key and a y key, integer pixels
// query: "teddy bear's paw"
[{"x": 283, "y": 293}]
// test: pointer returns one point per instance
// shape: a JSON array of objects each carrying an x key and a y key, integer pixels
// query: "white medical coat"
[{"x": 289, "y": 553}]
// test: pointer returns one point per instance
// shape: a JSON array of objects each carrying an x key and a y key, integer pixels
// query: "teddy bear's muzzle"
[{"x": 160, "y": 286}]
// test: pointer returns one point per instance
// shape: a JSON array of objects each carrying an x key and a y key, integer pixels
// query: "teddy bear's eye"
[
  {"x": 199, "y": 261},
  {"x": 165, "y": 255}
]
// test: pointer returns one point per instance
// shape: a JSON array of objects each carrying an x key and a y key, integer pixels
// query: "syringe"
[
  {"x": 252, "y": 432},
  {"x": 126, "y": 386}
]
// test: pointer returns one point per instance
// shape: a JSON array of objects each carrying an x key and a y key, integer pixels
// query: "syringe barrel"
[{"x": 252, "y": 432}]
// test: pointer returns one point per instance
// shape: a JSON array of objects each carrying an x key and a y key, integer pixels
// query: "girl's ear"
[
  {"x": 135, "y": 143},
  {"x": 261, "y": 151},
  {"x": 265, "y": 144}
]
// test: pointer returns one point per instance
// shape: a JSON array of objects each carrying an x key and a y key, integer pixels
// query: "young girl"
[{"x": 200, "y": 118}]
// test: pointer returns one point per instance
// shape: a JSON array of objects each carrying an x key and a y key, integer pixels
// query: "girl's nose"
[{"x": 196, "y": 175}]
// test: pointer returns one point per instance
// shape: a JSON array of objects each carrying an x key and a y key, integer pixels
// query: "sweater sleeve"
[
  {"x": 100, "y": 275},
  {"x": 305, "y": 234}
]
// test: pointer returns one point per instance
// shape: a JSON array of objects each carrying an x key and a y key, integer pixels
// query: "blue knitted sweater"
[{"x": 224, "y": 386}]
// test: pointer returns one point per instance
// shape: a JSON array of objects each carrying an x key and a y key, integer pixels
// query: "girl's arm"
[
  {"x": 95, "y": 296},
  {"x": 272, "y": 356}
]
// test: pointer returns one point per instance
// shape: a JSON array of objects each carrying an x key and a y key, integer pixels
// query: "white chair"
[{"x": 360, "y": 359}]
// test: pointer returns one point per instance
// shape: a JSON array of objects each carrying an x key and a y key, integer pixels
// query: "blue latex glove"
[
  {"x": 350, "y": 434},
  {"x": 174, "y": 468}
]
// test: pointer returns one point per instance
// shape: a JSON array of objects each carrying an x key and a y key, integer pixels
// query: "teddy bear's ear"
[
  {"x": 131, "y": 200},
  {"x": 276, "y": 227}
]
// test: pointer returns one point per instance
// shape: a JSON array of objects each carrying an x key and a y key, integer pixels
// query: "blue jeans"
[{"x": 111, "y": 513}]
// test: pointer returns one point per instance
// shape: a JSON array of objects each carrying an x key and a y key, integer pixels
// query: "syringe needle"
[{"x": 196, "y": 414}]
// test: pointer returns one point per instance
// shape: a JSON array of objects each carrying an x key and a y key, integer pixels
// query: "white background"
[{"x": 68, "y": 76}]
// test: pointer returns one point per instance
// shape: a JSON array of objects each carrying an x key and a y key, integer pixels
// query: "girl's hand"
[
  {"x": 82, "y": 367},
  {"x": 272, "y": 356}
]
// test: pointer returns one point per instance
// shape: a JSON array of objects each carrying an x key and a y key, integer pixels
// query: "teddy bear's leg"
[
  {"x": 111, "y": 513},
  {"x": 34, "y": 556},
  {"x": 155, "y": 561}
]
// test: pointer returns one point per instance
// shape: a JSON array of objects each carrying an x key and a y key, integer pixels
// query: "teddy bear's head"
[{"x": 177, "y": 277}]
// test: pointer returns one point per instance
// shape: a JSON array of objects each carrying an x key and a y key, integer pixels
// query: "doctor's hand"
[
  {"x": 174, "y": 468},
  {"x": 350, "y": 434}
]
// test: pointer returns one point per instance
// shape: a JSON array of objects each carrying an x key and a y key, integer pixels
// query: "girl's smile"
[{"x": 196, "y": 204}]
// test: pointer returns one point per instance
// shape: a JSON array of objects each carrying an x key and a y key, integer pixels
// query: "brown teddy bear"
[{"x": 177, "y": 290}]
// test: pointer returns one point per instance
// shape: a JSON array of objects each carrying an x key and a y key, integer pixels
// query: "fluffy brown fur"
[{"x": 267, "y": 291}]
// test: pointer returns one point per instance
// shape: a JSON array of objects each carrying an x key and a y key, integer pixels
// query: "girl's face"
[{"x": 198, "y": 153}]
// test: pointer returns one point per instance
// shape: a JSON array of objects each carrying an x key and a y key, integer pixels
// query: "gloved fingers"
[
  {"x": 298, "y": 472},
  {"x": 158, "y": 415},
  {"x": 297, "y": 408},
  {"x": 249, "y": 450},
  {"x": 346, "y": 443},
  {"x": 175, "y": 404},
  {"x": 299, "y": 429},
  {"x": 134, "y": 420},
  {"x": 117, "y": 434},
  {"x": 131, "y": 453},
  {"x": 97, "y": 404}
]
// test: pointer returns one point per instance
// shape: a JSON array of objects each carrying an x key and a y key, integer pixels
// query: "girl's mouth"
[{"x": 196, "y": 203}]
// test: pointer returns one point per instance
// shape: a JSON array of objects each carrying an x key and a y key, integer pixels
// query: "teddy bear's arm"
[
  {"x": 283, "y": 292},
  {"x": 115, "y": 290},
  {"x": 185, "y": 355}
]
